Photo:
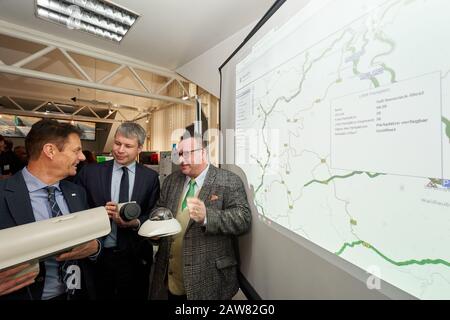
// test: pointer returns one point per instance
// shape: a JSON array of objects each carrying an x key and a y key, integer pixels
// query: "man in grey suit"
[{"x": 211, "y": 205}]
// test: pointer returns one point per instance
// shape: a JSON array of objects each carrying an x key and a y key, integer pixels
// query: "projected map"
[{"x": 343, "y": 131}]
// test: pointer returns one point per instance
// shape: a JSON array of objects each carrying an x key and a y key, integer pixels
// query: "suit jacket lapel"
[
  {"x": 72, "y": 198},
  {"x": 138, "y": 183},
  {"x": 177, "y": 193},
  {"x": 106, "y": 180},
  {"x": 18, "y": 199},
  {"x": 209, "y": 180}
]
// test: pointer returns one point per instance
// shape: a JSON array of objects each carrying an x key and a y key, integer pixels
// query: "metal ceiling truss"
[
  {"x": 66, "y": 48},
  {"x": 64, "y": 115}
]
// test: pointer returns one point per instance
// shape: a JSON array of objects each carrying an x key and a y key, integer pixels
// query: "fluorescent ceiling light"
[{"x": 98, "y": 17}]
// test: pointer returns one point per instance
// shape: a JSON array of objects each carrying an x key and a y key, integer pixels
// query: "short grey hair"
[{"x": 132, "y": 130}]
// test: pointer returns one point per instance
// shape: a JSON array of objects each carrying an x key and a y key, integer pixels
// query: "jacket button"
[
  {"x": 39, "y": 279},
  {"x": 170, "y": 273}
]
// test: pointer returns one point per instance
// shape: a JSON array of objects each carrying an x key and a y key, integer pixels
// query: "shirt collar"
[
  {"x": 33, "y": 183},
  {"x": 200, "y": 178},
  {"x": 131, "y": 167}
]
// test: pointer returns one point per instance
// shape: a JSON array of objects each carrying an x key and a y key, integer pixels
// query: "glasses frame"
[{"x": 185, "y": 154}]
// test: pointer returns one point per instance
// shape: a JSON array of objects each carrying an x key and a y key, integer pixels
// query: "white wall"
[{"x": 204, "y": 70}]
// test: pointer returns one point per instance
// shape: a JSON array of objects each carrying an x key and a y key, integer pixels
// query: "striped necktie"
[
  {"x": 56, "y": 211},
  {"x": 62, "y": 265}
]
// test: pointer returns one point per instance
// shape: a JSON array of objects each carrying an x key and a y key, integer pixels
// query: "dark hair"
[
  {"x": 18, "y": 147},
  {"x": 48, "y": 131},
  {"x": 89, "y": 156},
  {"x": 190, "y": 133},
  {"x": 2, "y": 138},
  {"x": 9, "y": 144}
]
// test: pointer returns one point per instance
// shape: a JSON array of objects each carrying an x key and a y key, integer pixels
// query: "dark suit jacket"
[
  {"x": 210, "y": 261},
  {"x": 16, "y": 209},
  {"x": 96, "y": 179},
  {"x": 10, "y": 159}
]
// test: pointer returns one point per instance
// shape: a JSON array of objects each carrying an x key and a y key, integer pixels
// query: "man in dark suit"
[
  {"x": 211, "y": 206},
  {"x": 123, "y": 267},
  {"x": 37, "y": 192}
]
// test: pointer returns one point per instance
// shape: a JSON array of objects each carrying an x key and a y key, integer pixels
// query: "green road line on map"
[
  {"x": 343, "y": 177},
  {"x": 387, "y": 41},
  {"x": 287, "y": 100},
  {"x": 356, "y": 72},
  {"x": 391, "y": 71},
  {"x": 374, "y": 80},
  {"x": 447, "y": 127},
  {"x": 391, "y": 44},
  {"x": 397, "y": 263}
]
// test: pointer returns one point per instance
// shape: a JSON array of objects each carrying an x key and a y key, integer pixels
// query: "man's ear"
[
  {"x": 140, "y": 149},
  {"x": 49, "y": 150}
]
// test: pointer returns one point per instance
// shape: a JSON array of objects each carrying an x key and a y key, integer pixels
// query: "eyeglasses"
[{"x": 186, "y": 154}]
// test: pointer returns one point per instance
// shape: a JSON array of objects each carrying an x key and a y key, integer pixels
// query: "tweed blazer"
[{"x": 210, "y": 263}]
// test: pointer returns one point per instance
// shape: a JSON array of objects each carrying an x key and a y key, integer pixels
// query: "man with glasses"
[
  {"x": 38, "y": 192},
  {"x": 211, "y": 205}
]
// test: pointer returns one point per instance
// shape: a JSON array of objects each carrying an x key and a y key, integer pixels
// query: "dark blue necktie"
[{"x": 124, "y": 186}]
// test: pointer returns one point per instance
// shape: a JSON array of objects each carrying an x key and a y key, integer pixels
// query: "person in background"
[
  {"x": 90, "y": 158},
  {"x": 9, "y": 163},
  {"x": 3, "y": 175},
  {"x": 9, "y": 145},
  {"x": 22, "y": 155}
]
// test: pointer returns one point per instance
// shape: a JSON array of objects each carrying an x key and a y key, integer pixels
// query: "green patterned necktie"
[{"x": 189, "y": 194}]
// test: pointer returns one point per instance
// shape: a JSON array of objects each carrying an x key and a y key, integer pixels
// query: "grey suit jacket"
[{"x": 209, "y": 258}]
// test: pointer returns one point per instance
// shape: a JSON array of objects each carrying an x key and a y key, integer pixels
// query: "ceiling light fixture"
[{"x": 98, "y": 17}]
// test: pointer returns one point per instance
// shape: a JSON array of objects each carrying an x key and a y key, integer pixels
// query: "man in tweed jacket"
[{"x": 219, "y": 211}]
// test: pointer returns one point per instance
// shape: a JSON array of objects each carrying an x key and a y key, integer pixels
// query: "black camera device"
[{"x": 129, "y": 211}]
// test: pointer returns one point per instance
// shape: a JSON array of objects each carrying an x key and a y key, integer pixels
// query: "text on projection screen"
[{"x": 343, "y": 131}]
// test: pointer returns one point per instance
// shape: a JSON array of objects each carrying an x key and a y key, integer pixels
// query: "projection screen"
[{"x": 341, "y": 112}]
